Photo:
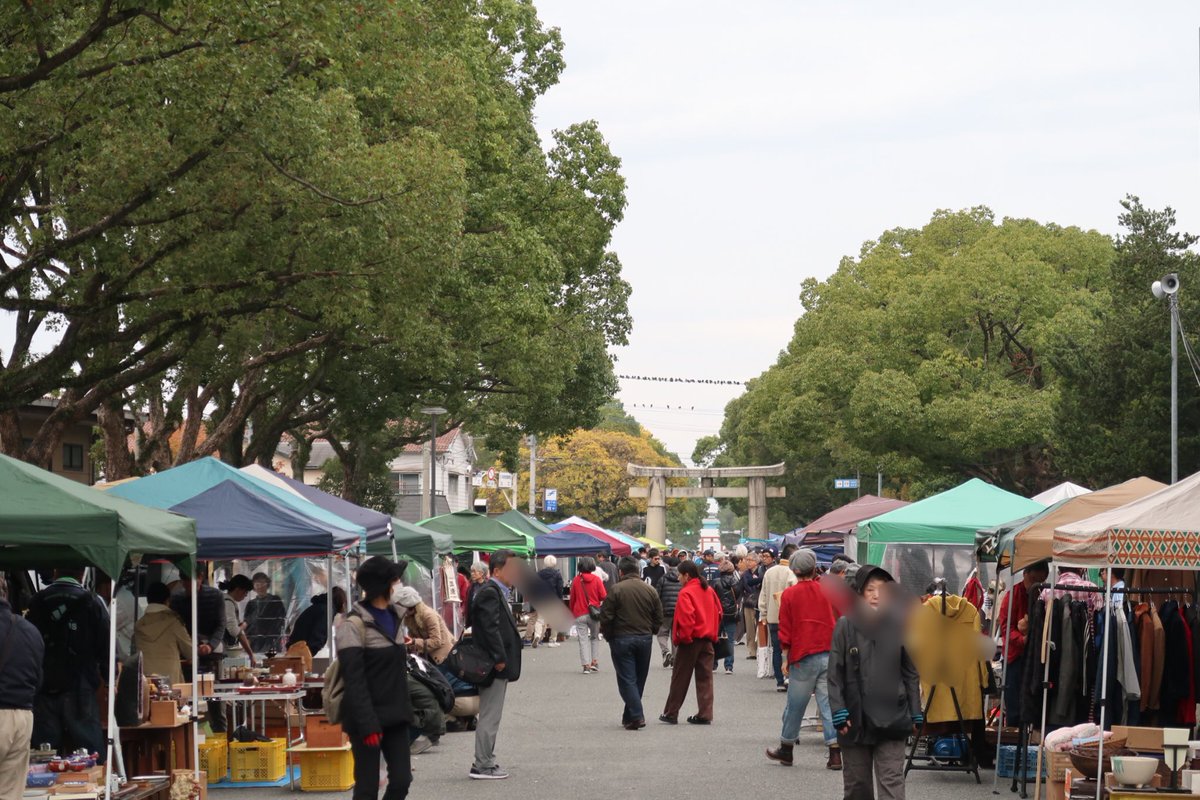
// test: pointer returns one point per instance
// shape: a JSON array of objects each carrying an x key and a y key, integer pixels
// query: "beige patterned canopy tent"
[{"x": 1158, "y": 531}]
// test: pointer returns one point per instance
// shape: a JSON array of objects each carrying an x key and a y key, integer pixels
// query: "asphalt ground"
[{"x": 561, "y": 739}]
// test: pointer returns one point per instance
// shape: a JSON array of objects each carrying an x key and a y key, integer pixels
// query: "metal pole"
[
  {"x": 329, "y": 643},
  {"x": 1173, "y": 303},
  {"x": 1012, "y": 576},
  {"x": 1047, "y": 646},
  {"x": 432, "y": 465},
  {"x": 114, "y": 733},
  {"x": 532, "y": 475},
  {"x": 879, "y": 493},
  {"x": 196, "y": 678},
  {"x": 1104, "y": 678}
]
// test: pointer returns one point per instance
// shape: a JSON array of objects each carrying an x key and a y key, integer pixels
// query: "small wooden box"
[
  {"x": 163, "y": 712},
  {"x": 91, "y": 774},
  {"x": 320, "y": 732}
]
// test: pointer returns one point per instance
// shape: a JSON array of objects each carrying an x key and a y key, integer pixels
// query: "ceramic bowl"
[{"x": 1134, "y": 770}]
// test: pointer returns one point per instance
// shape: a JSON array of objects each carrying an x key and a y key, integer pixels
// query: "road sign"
[
  {"x": 845, "y": 483},
  {"x": 477, "y": 479},
  {"x": 506, "y": 480},
  {"x": 550, "y": 501}
]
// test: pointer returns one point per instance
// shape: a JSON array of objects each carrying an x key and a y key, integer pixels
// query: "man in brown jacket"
[{"x": 629, "y": 618}]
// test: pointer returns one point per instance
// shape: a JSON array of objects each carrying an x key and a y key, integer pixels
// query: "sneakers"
[
  {"x": 587, "y": 669},
  {"x": 668, "y": 661},
  {"x": 490, "y": 774},
  {"x": 729, "y": 670},
  {"x": 781, "y": 687},
  {"x": 422, "y": 744}
]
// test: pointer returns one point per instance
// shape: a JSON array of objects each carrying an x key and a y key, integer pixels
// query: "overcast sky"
[{"x": 762, "y": 141}]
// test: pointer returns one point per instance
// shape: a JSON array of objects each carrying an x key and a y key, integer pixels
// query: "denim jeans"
[
  {"x": 776, "y": 653},
  {"x": 805, "y": 676},
  {"x": 631, "y": 662},
  {"x": 729, "y": 628}
]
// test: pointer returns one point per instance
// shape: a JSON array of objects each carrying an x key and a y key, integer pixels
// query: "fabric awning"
[
  {"x": 376, "y": 523},
  {"x": 844, "y": 519},
  {"x": 527, "y": 525},
  {"x": 47, "y": 520},
  {"x": 617, "y": 546},
  {"x": 1157, "y": 531},
  {"x": 570, "y": 543},
  {"x": 423, "y": 545},
  {"x": 951, "y": 517},
  {"x": 1064, "y": 491},
  {"x": 471, "y": 531}
]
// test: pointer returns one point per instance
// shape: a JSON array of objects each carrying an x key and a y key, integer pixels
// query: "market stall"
[
  {"x": 530, "y": 526},
  {"x": 571, "y": 544},
  {"x": 1159, "y": 531},
  {"x": 837, "y": 527},
  {"x": 935, "y": 537},
  {"x": 1064, "y": 491},
  {"x": 47, "y": 520},
  {"x": 616, "y": 546}
]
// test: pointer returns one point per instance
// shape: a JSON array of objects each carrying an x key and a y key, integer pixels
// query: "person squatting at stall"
[{"x": 377, "y": 712}]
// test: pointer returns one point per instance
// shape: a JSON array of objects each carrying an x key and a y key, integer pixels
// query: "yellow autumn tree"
[{"x": 588, "y": 468}]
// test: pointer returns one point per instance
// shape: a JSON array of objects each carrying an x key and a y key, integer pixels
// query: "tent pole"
[
  {"x": 1003, "y": 668},
  {"x": 195, "y": 677},
  {"x": 113, "y": 732},
  {"x": 1047, "y": 646},
  {"x": 1104, "y": 679},
  {"x": 329, "y": 607}
]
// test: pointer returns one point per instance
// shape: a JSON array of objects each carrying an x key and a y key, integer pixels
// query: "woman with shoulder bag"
[
  {"x": 874, "y": 690},
  {"x": 587, "y": 595},
  {"x": 376, "y": 712}
]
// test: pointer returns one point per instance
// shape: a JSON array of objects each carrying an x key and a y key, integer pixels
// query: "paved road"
[{"x": 561, "y": 739}]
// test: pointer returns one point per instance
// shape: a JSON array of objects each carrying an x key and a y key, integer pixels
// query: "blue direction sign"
[
  {"x": 550, "y": 501},
  {"x": 845, "y": 483}
]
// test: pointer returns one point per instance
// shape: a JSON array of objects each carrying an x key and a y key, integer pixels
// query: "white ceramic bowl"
[{"x": 1134, "y": 770}]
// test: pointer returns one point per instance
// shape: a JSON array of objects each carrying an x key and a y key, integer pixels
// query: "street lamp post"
[
  {"x": 433, "y": 412},
  {"x": 1168, "y": 287}
]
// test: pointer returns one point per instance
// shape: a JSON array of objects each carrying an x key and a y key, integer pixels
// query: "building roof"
[{"x": 444, "y": 441}]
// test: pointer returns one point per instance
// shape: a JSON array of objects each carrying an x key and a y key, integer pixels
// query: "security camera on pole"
[{"x": 1168, "y": 287}]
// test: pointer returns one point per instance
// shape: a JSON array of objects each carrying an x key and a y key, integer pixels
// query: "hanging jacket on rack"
[
  {"x": 944, "y": 647},
  {"x": 1070, "y": 689},
  {"x": 1035, "y": 668},
  {"x": 1178, "y": 692}
]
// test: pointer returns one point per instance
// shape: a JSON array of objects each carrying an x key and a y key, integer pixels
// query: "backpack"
[
  {"x": 434, "y": 680},
  {"x": 334, "y": 689},
  {"x": 61, "y": 632}
]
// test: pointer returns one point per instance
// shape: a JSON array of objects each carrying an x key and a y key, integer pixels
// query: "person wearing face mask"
[
  {"x": 377, "y": 712},
  {"x": 874, "y": 690}
]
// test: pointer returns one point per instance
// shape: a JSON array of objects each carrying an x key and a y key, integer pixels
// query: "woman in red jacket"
[
  {"x": 587, "y": 591},
  {"x": 696, "y": 628}
]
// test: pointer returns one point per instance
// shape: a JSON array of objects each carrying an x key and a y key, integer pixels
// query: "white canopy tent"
[{"x": 1064, "y": 491}]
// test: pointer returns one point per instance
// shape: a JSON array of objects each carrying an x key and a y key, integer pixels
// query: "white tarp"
[{"x": 1064, "y": 491}]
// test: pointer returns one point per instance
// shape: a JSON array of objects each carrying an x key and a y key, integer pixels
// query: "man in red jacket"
[{"x": 806, "y": 621}]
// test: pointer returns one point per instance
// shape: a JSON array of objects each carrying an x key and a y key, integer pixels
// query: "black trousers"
[{"x": 394, "y": 749}]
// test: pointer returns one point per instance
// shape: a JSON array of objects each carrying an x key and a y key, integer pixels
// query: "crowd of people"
[{"x": 836, "y": 635}]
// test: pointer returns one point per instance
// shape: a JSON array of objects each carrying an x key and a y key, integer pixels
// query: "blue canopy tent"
[
  {"x": 171, "y": 487},
  {"x": 570, "y": 543},
  {"x": 377, "y": 524},
  {"x": 233, "y": 522}
]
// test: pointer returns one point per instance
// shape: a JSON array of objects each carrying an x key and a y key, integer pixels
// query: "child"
[{"x": 874, "y": 690}]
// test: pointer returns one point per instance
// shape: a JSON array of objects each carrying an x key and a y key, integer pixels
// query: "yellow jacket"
[{"x": 946, "y": 651}]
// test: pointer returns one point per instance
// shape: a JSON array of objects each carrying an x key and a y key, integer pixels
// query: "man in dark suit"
[{"x": 495, "y": 629}]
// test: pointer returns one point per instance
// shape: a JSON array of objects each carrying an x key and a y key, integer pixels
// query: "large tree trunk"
[
  {"x": 11, "y": 443},
  {"x": 118, "y": 461}
]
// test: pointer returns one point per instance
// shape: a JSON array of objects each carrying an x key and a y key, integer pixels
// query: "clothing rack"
[
  {"x": 929, "y": 762},
  {"x": 1021, "y": 773}
]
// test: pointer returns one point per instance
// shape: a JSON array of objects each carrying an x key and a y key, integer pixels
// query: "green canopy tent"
[
  {"x": 935, "y": 537},
  {"x": 527, "y": 525},
  {"x": 421, "y": 545},
  {"x": 471, "y": 531},
  {"x": 48, "y": 520}
]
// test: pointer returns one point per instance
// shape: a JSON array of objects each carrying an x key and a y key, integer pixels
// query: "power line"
[{"x": 659, "y": 379}]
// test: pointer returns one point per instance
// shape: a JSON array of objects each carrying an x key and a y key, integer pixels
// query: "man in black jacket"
[
  {"x": 210, "y": 633},
  {"x": 495, "y": 629},
  {"x": 21, "y": 653}
]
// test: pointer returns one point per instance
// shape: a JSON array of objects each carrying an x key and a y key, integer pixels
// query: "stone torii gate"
[{"x": 657, "y": 492}]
